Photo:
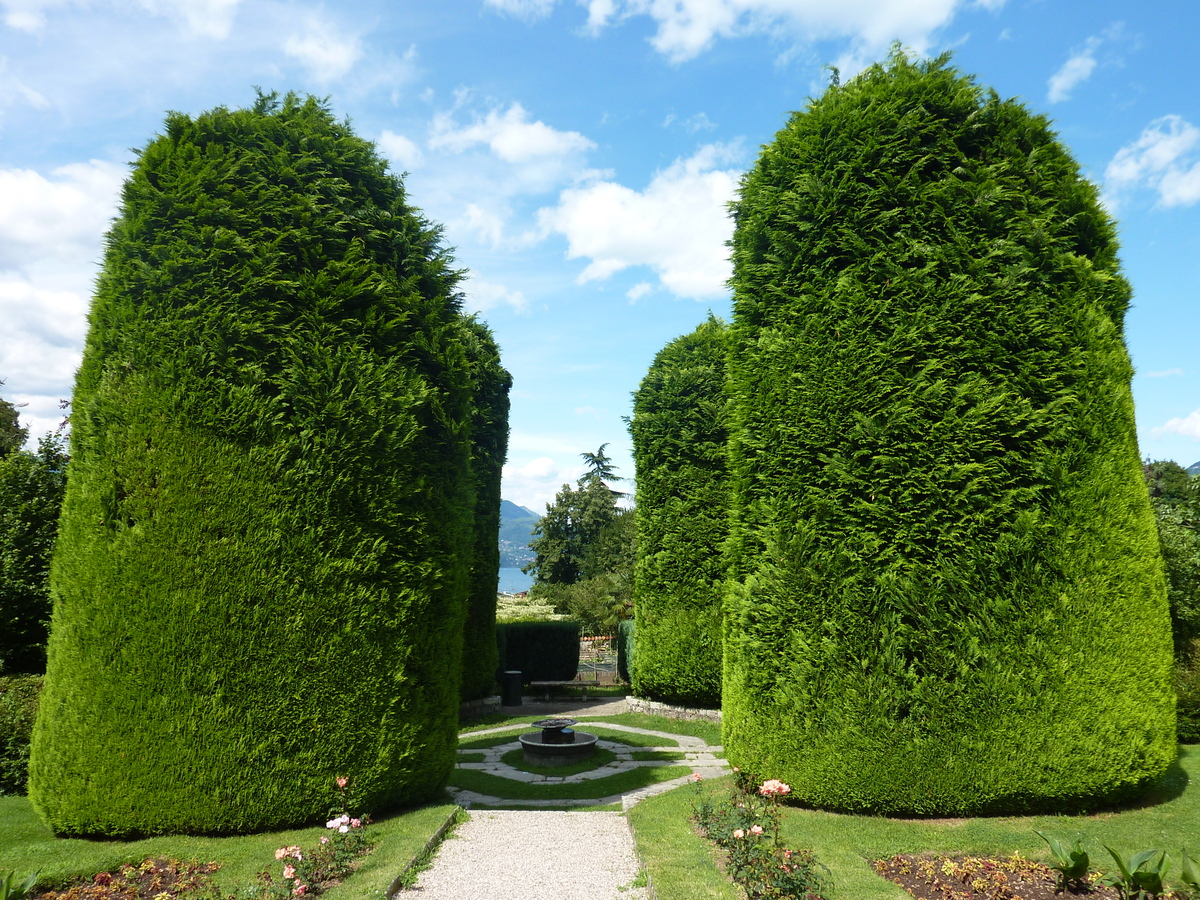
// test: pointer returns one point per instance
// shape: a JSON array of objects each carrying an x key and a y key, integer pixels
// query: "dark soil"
[{"x": 983, "y": 878}]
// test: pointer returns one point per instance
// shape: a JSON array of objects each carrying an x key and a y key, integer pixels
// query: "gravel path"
[{"x": 518, "y": 854}]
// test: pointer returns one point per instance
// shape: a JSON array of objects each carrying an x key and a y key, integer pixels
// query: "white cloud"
[
  {"x": 1188, "y": 426},
  {"x": 510, "y": 136},
  {"x": 483, "y": 295},
  {"x": 639, "y": 290},
  {"x": 688, "y": 27},
  {"x": 324, "y": 51},
  {"x": 1076, "y": 70},
  {"x": 60, "y": 218},
  {"x": 534, "y": 483},
  {"x": 1163, "y": 158},
  {"x": 677, "y": 226},
  {"x": 402, "y": 151},
  {"x": 207, "y": 18},
  {"x": 523, "y": 9}
]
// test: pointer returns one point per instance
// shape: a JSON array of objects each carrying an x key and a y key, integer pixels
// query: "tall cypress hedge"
[
  {"x": 679, "y": 438},
  {"x": 489, "y": 447},
  {"x": 946, "y": 595},
  {"x": 259, "y": 583}
]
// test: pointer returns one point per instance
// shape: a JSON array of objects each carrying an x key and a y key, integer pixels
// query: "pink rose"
[
  {"x": 324, "y": 840},
  {"x": 695, "y": 776},
  {"x": 282, "y": 852},
  {"x": 756, "y": 829},
  {"x": 355, "y": 823},
  {"x": 289, "y": 871},
  {"x": 738, "y": 833},
  {"x": 300, "y": 890},
  {"x": 774, "y": 788},
  {"x": 342, "y": 781},
  {"x": 343, "y": 828}
]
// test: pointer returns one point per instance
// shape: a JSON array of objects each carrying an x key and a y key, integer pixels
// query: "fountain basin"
[{"x": 557, "y": 744}]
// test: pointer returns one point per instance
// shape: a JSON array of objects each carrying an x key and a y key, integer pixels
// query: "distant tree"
[
  {"x": 1175, "y": 498},
  {"x": 12, "y": 435},
  {"x": 570, "y": 541},
  {"x": 585, "y": 547},
  {"x": 31, "y": 494}
]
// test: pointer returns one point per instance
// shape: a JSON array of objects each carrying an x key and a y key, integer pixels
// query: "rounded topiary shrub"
[
  {"x": 489, "y": 446},
  {"x": 679, "y": 438},
  {"x": 946, "y": 594},
  {"x": 260, "y": 579}
]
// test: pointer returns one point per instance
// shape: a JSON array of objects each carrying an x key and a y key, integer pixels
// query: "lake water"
[{"x": 514, "y": 580}]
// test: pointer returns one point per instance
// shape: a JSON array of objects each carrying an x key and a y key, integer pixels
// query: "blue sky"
[{"x": 580, "y": 154}]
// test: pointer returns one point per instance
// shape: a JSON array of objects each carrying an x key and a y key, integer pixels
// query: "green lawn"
[
  {"x": 681, "y": 865},
  {"x": 27, "y": 846},
  {"x": 600, "y": 757},
  {"x": 506, "y": 789}
]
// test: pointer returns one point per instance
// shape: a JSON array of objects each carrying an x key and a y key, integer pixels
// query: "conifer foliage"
[
  {"x": 947, "y": 595},
  {"x": 679, "y": 437},
  {"x": 489, "y": 447},
  {"x": 259, "y": 581}
]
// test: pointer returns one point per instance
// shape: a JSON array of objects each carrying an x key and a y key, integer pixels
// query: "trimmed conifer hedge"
[
  {"x": 259, "y": 583},
  {"x": 679, "y": 448},
  {"x": 540, "y": 651},
  {"x": 489, "y": 447},
  {"x": 947, "y": 596}
]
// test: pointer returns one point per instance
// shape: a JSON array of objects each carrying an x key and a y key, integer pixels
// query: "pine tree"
[{"x": 946, "y": 593}]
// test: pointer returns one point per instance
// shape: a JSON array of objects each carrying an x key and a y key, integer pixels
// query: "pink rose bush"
[
  {"x": 304, "y": 871},
  {"x": 745, "y": 824}
]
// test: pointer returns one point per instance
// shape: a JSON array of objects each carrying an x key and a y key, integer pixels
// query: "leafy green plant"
[
  {"x": 1140, "y": 876},
  {"x": 21, "y": 891},
  {"x": 1189, "y": 874},
  {"x": 1072, "y": 866}
]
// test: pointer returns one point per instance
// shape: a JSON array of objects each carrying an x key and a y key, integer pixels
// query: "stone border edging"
[
  {"x": 671, "y": 711},
  {"x": 397, "y": 884}
]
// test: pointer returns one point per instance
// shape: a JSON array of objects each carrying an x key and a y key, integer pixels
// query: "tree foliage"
[
  {"x": 31, "y": 494},
  {"x": 679, "y": 444},
  {"x": 12, "y": 435},
  {"x": 947, "y": 595},
  {"x": 489, "y": 447},
  {"x": 1175, "y": 498},
  {"x": 263, "y": 561},
  {"x": 585, "y": 547}
]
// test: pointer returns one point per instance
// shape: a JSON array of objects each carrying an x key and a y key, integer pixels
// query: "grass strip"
[
  {"x": 657, "y": 755},
  {"x": 27, "y": 846},
  {"x": 679, "y": 862},
  {"x": 620, "y": 783},
  {"x": 424, "y": 859},
  {"x": 600, "y": 757},
  {"x": 709, "y": 732}
]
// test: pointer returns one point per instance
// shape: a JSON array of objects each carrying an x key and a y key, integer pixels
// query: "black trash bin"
[{"x": 510, "y": 689}]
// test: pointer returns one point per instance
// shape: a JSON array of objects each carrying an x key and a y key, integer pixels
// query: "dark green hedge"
[
  {"x": 259, "y": 581},
  {"x": 489, "y": 446},
  {"x": 626, "y": 648},
  {"x": 18, "y": 710},
  {"x": 679, "y": 448},
  {"x": 947, "y": 593},
  {"x": 540, "y": 651}
]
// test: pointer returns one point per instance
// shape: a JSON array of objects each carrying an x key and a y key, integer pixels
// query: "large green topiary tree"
[
  {"x": 946, "y": 593},
  {"x": 489, "y": 447},
  {"x": 260, "y": 579},
  {"x": 679, "y": 438}
]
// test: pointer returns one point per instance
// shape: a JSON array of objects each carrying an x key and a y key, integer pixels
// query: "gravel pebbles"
[{"x": 519, "y": 854}]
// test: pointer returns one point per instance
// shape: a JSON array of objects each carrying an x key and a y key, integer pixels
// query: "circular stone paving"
[{"x": 699, "y": 756}]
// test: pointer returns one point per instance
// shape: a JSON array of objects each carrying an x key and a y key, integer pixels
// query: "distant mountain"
[
  {"x": 1194, "y": 469},
  {"x": 516, "y": 527}
]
